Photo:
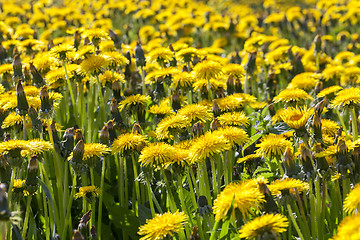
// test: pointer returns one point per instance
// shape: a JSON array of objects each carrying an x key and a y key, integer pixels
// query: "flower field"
[{"x": 150, "y": 119}]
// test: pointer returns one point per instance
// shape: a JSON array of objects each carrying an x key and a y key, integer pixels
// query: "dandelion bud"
[
  {"x": 136, "y": 129},
  {"x": 78, "y": 153},
  {"x": 93, "y": 233},
  {"x": 236, "y": 58},
  {"x": 321, "y": 163},
  {"x": 104, "y": 136},
  {"x": 216, "y": 109},
  {"x": 116, "y": 88},
  {"x": 270, "y": 205},
  {"x": 203, "y": 207},
  {"x": 250, "y": 65},
  {"x": 344, "y": 163},
  {"x": 77, "y": 39},
  {"x": 86, "y": 41},
  {"x": 27, "y": 77},
  {"x": 198, "y": 129},
  {"x": 3, "y": 54},
  {"x": 37, "y": 78},
  {"x": 317, "y": 42},
  {"x": 46, "y": 104},
  {"x": 111, "y": 127},
  {"x": 78, "y": 135},
  {"x": 316, "y": 125},
  {"x": 318, "y": 87},
  {"x": 291, "y": 169},
  {"x": 31, "y": 177},
  {"x": 306, "y": 160},
  {"x": 22, "y": 103},
  {"x": 139, "y": 56},
  {"x": 115, "y": 113},
  {"x": 84, "y": 220},
  {"x": 57, "y": 143},
  {"x": 77, "y": 235},
  {"x": 338, "y": 135},
  {"x": 67, "y": 144},
  {"x": 215, "y": 124},
  {"x": 5, "y": 212},
  {"x": 50, "y": 44},
  {"x": 115, "y": 38},
  {"x": 35, "y": 121},
  {"x": 127, "y": 72},
  {"x": 319, "y": 107},
  {"x": 7, "y": 137},
  {"x": 17, "y": 67},
  {"x": 176, "y": 100}
]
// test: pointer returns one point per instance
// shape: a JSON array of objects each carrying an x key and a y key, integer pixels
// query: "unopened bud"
[
  {"x": 36, "y": 76},
  {"x": 77, "y": 39},
  {"x": 17, "y": 67},
  {"x": 139, "y": 56},
  {"x": 78, "y": 153},
  {"x": 85, "y": 220},
  {"x": 317, "y": 42},
  {"x": 22, "y": 103},
  {"x": 136, "y": 129},
  {"x": 198, "y": 129},
  {"x": 215, "y": 124},
  {"x": 115, "y": 38},
  {"x": 104, "y": 136},
  {"x": 32, "y": 174},
  {"x": 77, "y": 235},
  {"x": 46, "y": 104}
]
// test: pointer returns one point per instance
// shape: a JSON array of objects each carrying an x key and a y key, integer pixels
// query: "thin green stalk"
[
  {"x": 102, "y": 102},
  {"x": 101, "y": 198},
  {"x": 70, "y": 90},
  {"x": 294, "y": 222},
  {"x": 193, "y": 180},
  {"x": 26, "y": 219},
  {"x": 211, "y": 95},
  {"x": 204, "y": 181},
  {"x": 120, "y": 165},
  {"x": 24, "y": 127},
  {"x": 214, "y": 231},
  {"x": 93, "y": 213},
  {"x": 320, "y": 222},
  {"x": 354, "y": 123},
  {"x": 143, "y": 81},
  {"x": 342, "y": 122},
  {"x": 68, "y": 208},
  {"x": 173, "y": 207},
  {"x": 182, "y": 201},
  {"x": 312, "y": 212},
  {"x": 13, "y": 172},
  {"x": 280, "y": 167},
  {"x": 246, "y": 84},
  {"x": 150, "y": 197},
  {"x": 90, "y": 110},
  {"x": 213, "y": 170},
  {"x": 137, "y": 188}
]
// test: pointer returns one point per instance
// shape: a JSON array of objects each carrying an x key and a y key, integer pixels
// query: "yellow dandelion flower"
[
  {"x": 62, "y": 51},
  {"x": 234, "y": 135},
  {"x": 296, "y": 117},
  {"x": 37, "y": 146},
  {"x": 207, "y": 70},
  {"x": 329, "y": 127},
  {"x": 267, "y": 224},
  {"x": 287, "y": 185},
  {"x": 132, "y": 101},
  {"x": 241, "y": 195},
  {"x": 128, "y": 141},
  {"x": 346, "y": 97},
  {"x": 215, "y": 84},
  {"x": 306, "y": 80},
  {"x": 84, "y": 51},
  {"x": 96, "y": 35},
  {"x": 349, "y": 228},
  {"x": 160, "y": 55},
  {"x": 291, "y": 95},
  {"x": 196, "y": 112},
  {"x": 6, "y": 68},
  {"x": 88, "y": 192},
  {"x": 234, "y": 101},
  {"x": 185, "y": 144},
  {"x": 208, "y": 145},
  {"x": 273, "y": 145},
  {"x": 115, "y": 59},
  {"x": 183, "y": 80},
  {"x": 234, "y": 70},
  {"x": 110, "y": 77},
  {"x": 352, "y": 200},
  {"x": 162, "y": 109},
  {"x": 156, "y": 153},
  {"x": 332, "y": 71},
  {"x": 19, "y": 187},
  {"x": 187, "y": 54},
  {"x": 163, "y": 225},
  {"x": 56, "y": 77},
  {"x": 170, "y": 125},
  {"x": 11, "y": 120},
  {"x": 181, "y": 156},
  {"x": 330, "y": 90},
  {"x": 95, "y": 149},
  {"x": 94, "y": 65},
  {"x": 249, "y": 158},
  {"x": 233, "y": 119}
]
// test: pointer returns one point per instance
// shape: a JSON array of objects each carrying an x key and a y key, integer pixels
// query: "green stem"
[
  {"x": 13, "y": 172},
  {"x": 204, "y": 182},
  {"x": 93, "y": 213},
  {"x": 26, "y": 219},
  {"x": 246, "y": 84},
  {"x": 101, "y": 199},
  {"x": 211, "y": 95},
  {"x": 102, "y": 102},
  {"x": 150, "y": 197},
  {"x": 342, "y": 122},
  {"x": 214, "y": 231},
  {"x": 120, "y": 165},
  {"x": 294, "y": 222},
  {"x": 24, "y": 127},
  {"x": 137, "y": 188},
  {"x": 354, "y": 123},
  {"x": 68, "y": 208},
  {"x": 280, "y": 167},
  {"x": 213, "y": 170},
  {"x": 90, "y": 110},
  {"x": 70, "y": 89},
  {"x": 172, "y": 204},
  {"x": 182, "y": 201}
]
